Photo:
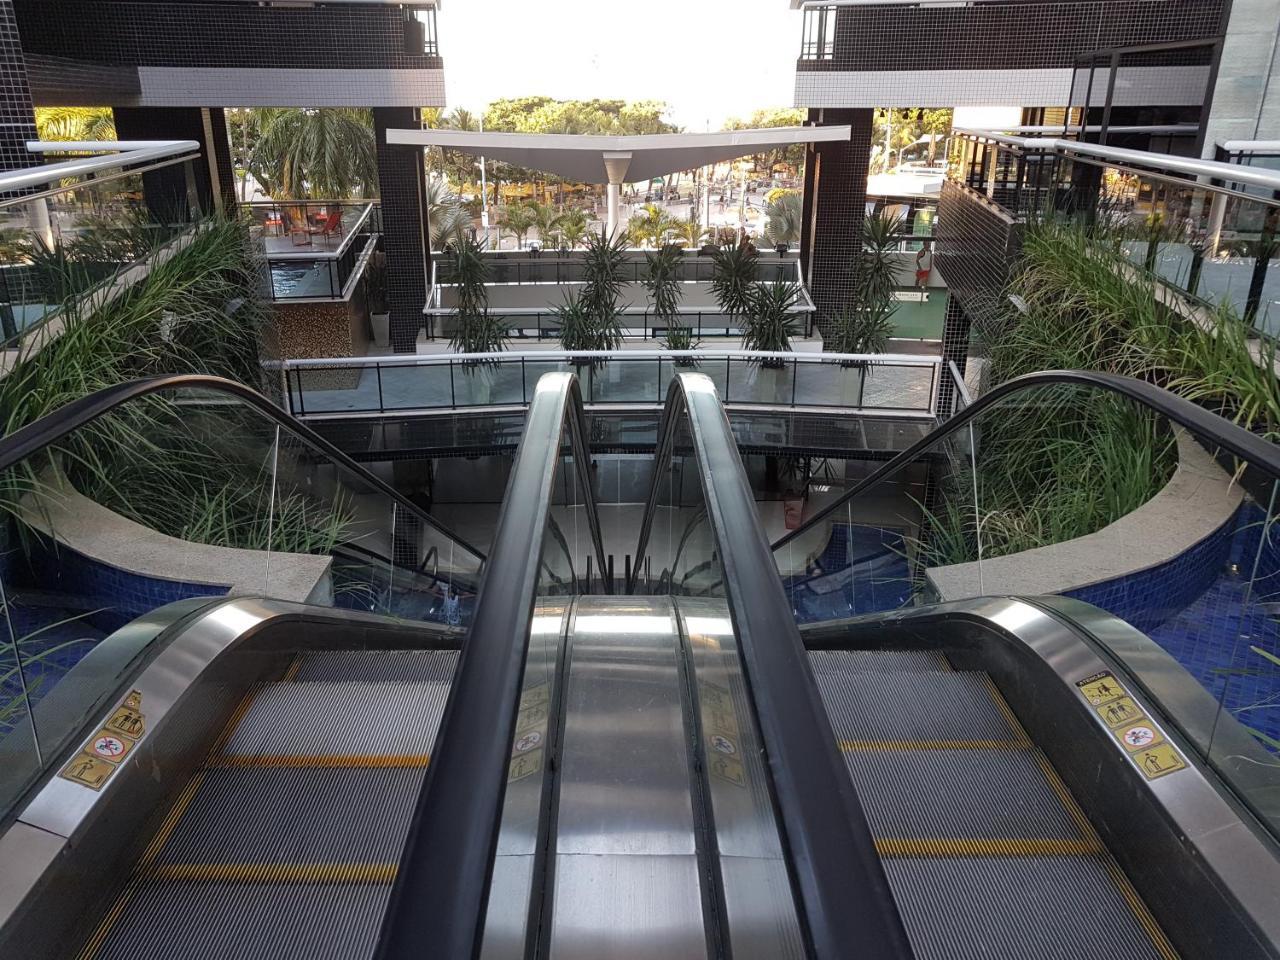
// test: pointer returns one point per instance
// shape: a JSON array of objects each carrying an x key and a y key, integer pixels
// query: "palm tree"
[
  {"x": 75, "y": 123},
  {"x": 784, "y": 214},
  {"x": 573, "y": 227},
  {"x": 448, "y": 219},
  {"x": 329, "y": 153},
  {"x": 652, "y": 225},
  {"x": 519, "y": 219},
  {"x": 546, "y": 219},
  {"x": 690, "y": 231}
]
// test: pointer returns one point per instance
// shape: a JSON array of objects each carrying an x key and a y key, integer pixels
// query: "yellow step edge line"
[
  {"x": 852, "y": 746},
  {"x": 1137, "y": 906},
  {"x": 313, "y": 873},
  {"x": 984, "y": 847},
  {"x": 326, "y": 761}
]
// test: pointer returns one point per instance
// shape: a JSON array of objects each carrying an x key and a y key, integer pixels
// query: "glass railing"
[
  {"x": 551, "y": 267},
  {"x": 193, "y": 491},
  {"x": 1207, "y": 230},
  {"x": 545, "y": 325},
  {"x": 1096, "y": 488},
  {"x": 77, "y": 236},
  {"x": 313, "y": 249},
  {"x": 882, "y": 382}
]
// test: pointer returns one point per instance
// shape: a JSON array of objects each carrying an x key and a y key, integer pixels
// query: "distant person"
[
  {"x": 452, "y": 607},
  {"x": 924, "y": 266}
]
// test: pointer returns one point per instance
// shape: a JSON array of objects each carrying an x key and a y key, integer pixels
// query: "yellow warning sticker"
[
  {"x": 88, "y": 771},
  {"x": 1139, "y": 735},
  {"x": 717, "y": 710},
  {"x": 538, "y": 694},
  {"x": 1101, "y": 688},
  {"x": 727, "y": 768},
  {"x": 1119, "y": 711},
  {"x": 531, "y": 716},
  {"x": 128, "y": 720},
  {"x": 1159, "y": 760},
  {"x": 525, "y": 765}
]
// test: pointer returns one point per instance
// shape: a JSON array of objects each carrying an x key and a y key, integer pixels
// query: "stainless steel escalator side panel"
[
  {"x": 511, "y": 890},
  {"x": 189, "y": 690},
  {"x": 760, "y": 921},
  {"x": 1210, "y": 876},
  {"x": 626, "y": 873}
]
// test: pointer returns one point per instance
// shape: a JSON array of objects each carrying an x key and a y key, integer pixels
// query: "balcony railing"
[
  {"x": 894, "y": 384},
  {"x": 1201, "y": 227},
  {"x": 314, "y": 248},
  {"x": 570, "y": 268},
  {"x": 70, "y": 228}
]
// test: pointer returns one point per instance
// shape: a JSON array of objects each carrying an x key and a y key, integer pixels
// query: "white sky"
[{"x": 709, "y": 59}]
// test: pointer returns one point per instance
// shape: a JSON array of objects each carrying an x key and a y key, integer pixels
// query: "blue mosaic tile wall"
[
  {"x": 61, "y": 605},
  {"x": 862, "y": 570}
]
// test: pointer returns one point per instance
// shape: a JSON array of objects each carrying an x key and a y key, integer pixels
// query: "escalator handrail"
[
  {"x": 441, "y": 891},
  {"x": 1205, "y": 424},
  {"x": 842, "y": 889},
  {"x": 54, "y": 426}
]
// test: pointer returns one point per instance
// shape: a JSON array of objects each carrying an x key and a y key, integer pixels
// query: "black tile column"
[
  {"x": 166, "y": 188},
  {"x": 836, "y": 191},
  {"x": 956, "y": 328},
  {"x": 17, "y": 113},
  {"x": 402, "y": 185}
]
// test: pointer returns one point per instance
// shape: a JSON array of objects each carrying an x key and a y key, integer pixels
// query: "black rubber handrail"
[
  {"x": 54, "y": 426},
  {"x": 842, "y": 891},
  {"x": 1205, "y": 424},
  {"x": 439, "y": 900}
]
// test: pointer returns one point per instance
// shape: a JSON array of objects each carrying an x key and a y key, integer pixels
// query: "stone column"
[{"x": 405, "y": 236}]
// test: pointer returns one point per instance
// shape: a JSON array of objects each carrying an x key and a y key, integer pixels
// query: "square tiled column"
[
  {"x": 17, "y": 113},
  {"x": 402, "y": 185},
  {"x": 835, "y": 198}
]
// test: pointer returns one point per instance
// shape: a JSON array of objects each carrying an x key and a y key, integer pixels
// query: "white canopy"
[{"x": 606, "y": 159}]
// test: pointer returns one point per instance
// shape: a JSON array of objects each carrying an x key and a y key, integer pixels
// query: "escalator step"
[
  {"x": 910, "y": 794},
  {"x": 289, "y": 722},
  {"x": 1046, "y": 908},
  {"x": 892, "y": 708},
  {"x": 878, "y": 661},
  {"x": 295, "y": 816},
  {"x": 214, "y": 921},
  {"x": 378, "y": 666}
]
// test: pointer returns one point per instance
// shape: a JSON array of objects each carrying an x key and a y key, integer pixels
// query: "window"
[
  {"x": 426, "y": 16},
  {"x": 819, "y": 33}
]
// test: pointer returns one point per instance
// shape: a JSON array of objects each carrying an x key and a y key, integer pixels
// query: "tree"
[
  {"x": 75, "y": 123},
  {"x": 691, "y": 231},
  {"x": 895, "y": 132},
  {"x": 573, "y": 227},
  {"x": 734, "y": 277},
  {"x": 476, "y": 330},
  {"x": 784, "y": 214},
  {"x": 546, "y": 219},
  {"x": 651, "y": 226},
  {"x": 519, "y": 218},
  {"x": 793, "y": 155},
  {"x": 322, "y": 154},
  {"x": 448, "y": 218}
]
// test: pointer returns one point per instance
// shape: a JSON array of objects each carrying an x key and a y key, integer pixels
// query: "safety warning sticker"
[
  {"x": 1141, "y": 738},
  {"x": 531, "y": 732},
  {"x": 720, "y": 730},
  {"x": 525, "y": 765},
  {"x": 102, "y": 755},
  {"x": 1159, "y": 760}
]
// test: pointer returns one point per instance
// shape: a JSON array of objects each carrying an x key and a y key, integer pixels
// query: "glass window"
[
  {"x": 819, "y": 33},
  {"x": 427, "y": 17}
]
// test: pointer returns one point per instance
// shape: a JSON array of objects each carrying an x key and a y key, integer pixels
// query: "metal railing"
[
  {"x": 897, "y": 384},
  {"x": 1204, "y": 228},
  {"x": 537, "y": 324},
  {"x": 69, "y": 228},
  {"x": 557, "y": 268},
  {"x": 346, "y": 230}
]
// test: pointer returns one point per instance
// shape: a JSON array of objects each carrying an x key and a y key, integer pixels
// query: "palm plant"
[
  {"x": 75, "y": 123},
  {"x": 770, "y": 320},
  {"x": 690, "y": 231},
  {"x": 651, "y": 226},
  {"x": 862, "y": 331},
  {"x": 446, "y": 216},
  {"x": 519, "y": 218},
  {"x": 784, "y": 213},
  {"x": 329, "y": 153},
  {"x": 877, "y": 273},
  {"x": 476, "y": 330},
  {"x": 546, "y": 219},
  {"x": 598, "y": 322},
  {"x": 662, "y": 280},
  {"x": 733, "y": 278},
  {"x": 573, "y": 227}
]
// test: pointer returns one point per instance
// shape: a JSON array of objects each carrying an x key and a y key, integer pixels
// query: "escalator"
[{"x": 678, "y": 770}]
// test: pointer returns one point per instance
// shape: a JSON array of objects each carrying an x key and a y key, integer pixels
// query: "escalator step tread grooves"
[
  {"x": 986, "y": 854},
  {"x": 285, "y": 845}
]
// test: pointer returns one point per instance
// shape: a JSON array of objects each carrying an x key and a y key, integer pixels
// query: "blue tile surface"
[{"x": 862, "y": 570}]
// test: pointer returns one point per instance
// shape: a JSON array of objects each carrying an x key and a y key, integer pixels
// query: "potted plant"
[
  {"x": 375, "y": 291},
  {"x": 590, "y": 320},
  {"x": 475, "y": 329},
  {"x": 770, "y": 322},
  {"x": 734, "y": 271}
]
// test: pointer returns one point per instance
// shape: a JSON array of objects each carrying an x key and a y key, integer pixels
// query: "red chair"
[{"x": 331, "y": 228}]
